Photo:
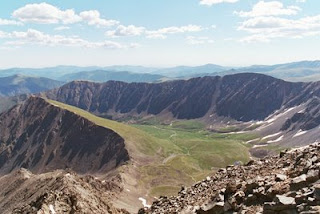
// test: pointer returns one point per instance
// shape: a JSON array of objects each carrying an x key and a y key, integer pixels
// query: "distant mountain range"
[
  {"x": 104, "y": 76},
  {"x": 20, "y": 84},
  {"x": 296, "y": 71}
]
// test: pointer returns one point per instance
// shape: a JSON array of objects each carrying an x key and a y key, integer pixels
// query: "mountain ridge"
[
  {"x": 42, "y": 137},
  {"x": 206, "y": 95},
  {"x": 21, "y": 84}
]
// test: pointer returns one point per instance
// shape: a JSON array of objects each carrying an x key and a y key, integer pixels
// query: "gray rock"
[
  {"x": 280, "y": 177},
  {"x": 212, "y": 208},
  {"x": 298, "y": 182}
]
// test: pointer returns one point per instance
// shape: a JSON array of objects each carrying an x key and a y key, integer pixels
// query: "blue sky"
[{"x": 158, "y": 32}]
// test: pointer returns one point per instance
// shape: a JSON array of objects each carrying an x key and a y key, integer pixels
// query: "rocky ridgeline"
[
  {"x": 288, "y": 183},
  {"x": 23, "y": 192}
]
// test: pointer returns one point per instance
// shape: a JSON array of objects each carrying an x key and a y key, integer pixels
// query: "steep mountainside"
[
  {"x": 105, "y": 75},
  {"x": 42, "y": 137},
  {"x": 18, "y": 84},
  {"x": 241, "y": 97},
  {"x": 286, "y": 184}
]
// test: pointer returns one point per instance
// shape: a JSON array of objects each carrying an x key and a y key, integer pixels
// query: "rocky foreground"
[
  {"x": 56, "y": 192},
  {"x": 288, "y": 183}
]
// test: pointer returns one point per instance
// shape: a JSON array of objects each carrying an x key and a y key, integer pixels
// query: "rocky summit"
[{"x": 288, "y": 183}]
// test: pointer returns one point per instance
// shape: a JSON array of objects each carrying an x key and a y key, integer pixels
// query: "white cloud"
[
  {"x": 212, "y": 2},
  {"x": 161, "y": 33},
  {"x": 192, "y": 40},
  {"x": 9, "y": 22},
  {"x": 155, "y": 35},
  {"x": 31, "y": 36},
  {"x": 4, "y": 34},
  {"x": 130, "y": 30},
  {"x": 264, "y": 29},
  {"x": 301, "y": 1},
  {"x": 44, "y": 13},
  {"x": 272, "y": 8},
  {"x": 92, "y": 17},
  {"x": 60, "y": 28}
]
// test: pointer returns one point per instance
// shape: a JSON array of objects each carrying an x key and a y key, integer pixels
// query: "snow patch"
[
  {"x": 144, "y": 202},
  {"x": 258, "y": 146},
  {"x": 51, "y": 208},
  {"x": 240, "y": 132},
  {"x": 270, "y": 136},
  {"x": 259, "y": 122},
  {"x": 275, "y": 116},
  {"x": 251, "y": 141},
  {"x": 277, "y": 140},
  {"x": 300, "y": 132}
]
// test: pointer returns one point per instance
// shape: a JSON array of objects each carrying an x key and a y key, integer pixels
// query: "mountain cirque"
[
  {"x": 41, "y": 137},
  {"x": 242, "y": 97},
  {"x": 288, "y": 183}
]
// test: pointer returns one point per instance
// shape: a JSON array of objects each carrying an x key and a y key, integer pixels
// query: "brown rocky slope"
[
  {"x": 288, "y": 183},
  {"x": 41, "y": 137},
  {"x": 56, "y": 192}
]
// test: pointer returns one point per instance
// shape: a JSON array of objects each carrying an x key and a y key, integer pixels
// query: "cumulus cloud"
[
  {"x": 212, "y": 2},
  {"x": 9, "y": 22},
  {"x": 272, "y": 8},
  {"x": 35, "y": 37},
  {"x": 44, "y": 13},
  {"x": 92, "y": 17},
  {"x": 264, "y": 29},
  {"x": 192, "y": 40},
  {"x": 130, "y": 30},
  {"x": 162, "y": 32}
]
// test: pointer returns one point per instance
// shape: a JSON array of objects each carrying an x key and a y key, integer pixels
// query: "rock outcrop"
[
  {"x": 56, "y": 192},
  {"x": 288, "y": 183},
  {"x": 41, "y": 137}
]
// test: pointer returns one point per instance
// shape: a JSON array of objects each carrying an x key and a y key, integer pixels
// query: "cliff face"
[
  {"x": 41, "y": 137},
  {"x": 242, "y": 97}
]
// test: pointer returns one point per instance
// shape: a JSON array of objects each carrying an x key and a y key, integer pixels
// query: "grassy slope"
[{"x": 182, "y": 153}]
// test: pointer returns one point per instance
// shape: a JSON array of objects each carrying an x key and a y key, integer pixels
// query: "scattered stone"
[
  {"x": 280, "y": 177},
  {"x": 282, "y": 185}
]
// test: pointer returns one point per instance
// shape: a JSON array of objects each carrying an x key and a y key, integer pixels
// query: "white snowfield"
[
  {"x": 144, "y": 202},
  {"x": 275, "y": 116},
  {"x": 52, "y": 211},
  {"x": 300, "y": 132},
  {"x": 277, "y": 140},
  {"x": 271, "y": 135}
]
